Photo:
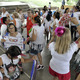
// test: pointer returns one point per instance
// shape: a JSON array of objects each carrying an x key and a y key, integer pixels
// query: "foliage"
[
  {"x": 71, "y": 2},
  {"x": 41, "y": 3}
]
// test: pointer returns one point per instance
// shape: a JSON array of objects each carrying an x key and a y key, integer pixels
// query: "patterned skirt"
[{"x": 36, "y": 48}]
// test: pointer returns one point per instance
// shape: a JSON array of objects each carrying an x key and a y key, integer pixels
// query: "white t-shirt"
[
  {"x": 53, "y": 23},
  {"x": 4, "y": 14},
  {"x": 62, "y": 11},
  {"x": 18, "y": 25},
  {"x": 47, "y": 23},
  {"x": 17, "y": 36},
  {"x": 45, "y": 14},
  {"x": 57, "y": 22},
  {"x": 3, "y": 29},
  {"x": 77, "y": 16},
  {"x": 60, "y": 62},
  {"x": 39, "y": 31},
  {"x": 21, "y": 17}
]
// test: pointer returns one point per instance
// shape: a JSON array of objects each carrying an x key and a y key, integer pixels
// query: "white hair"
[{"x": 3, "y": 8}]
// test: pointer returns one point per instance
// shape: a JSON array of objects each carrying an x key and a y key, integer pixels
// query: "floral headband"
[{"x": 59, "y": 31}]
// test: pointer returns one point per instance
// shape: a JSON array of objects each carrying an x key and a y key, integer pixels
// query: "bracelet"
[
  {"x": 76, "y": 42},
  {"x": 28, "y": 39},
  {"x": 77, "y": 25}
]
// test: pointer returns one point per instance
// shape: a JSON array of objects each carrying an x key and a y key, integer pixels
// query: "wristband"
[
  {"x": 27, "y": 39},
  {"x": 76, "y": 42},
  {"x": 77, "y": 25}
]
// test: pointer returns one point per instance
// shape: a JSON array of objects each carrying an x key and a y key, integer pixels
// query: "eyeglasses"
[{"x": 11, "y": 28}]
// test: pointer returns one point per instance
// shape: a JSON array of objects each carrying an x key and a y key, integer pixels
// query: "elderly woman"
[
  {"x": 12, "y": 31},
  {"x": 16, "y": 20},
  {"x": 4, "y": 12}
]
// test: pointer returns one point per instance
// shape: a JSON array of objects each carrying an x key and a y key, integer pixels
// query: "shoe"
[
  {"x": 28, "y": 51},
  {"x": 40, "y": 67},
  {"x": 21, "y": 72}
]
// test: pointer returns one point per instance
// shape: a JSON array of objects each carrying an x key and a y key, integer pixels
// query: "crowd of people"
[{"x": 63, "y": 27}]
